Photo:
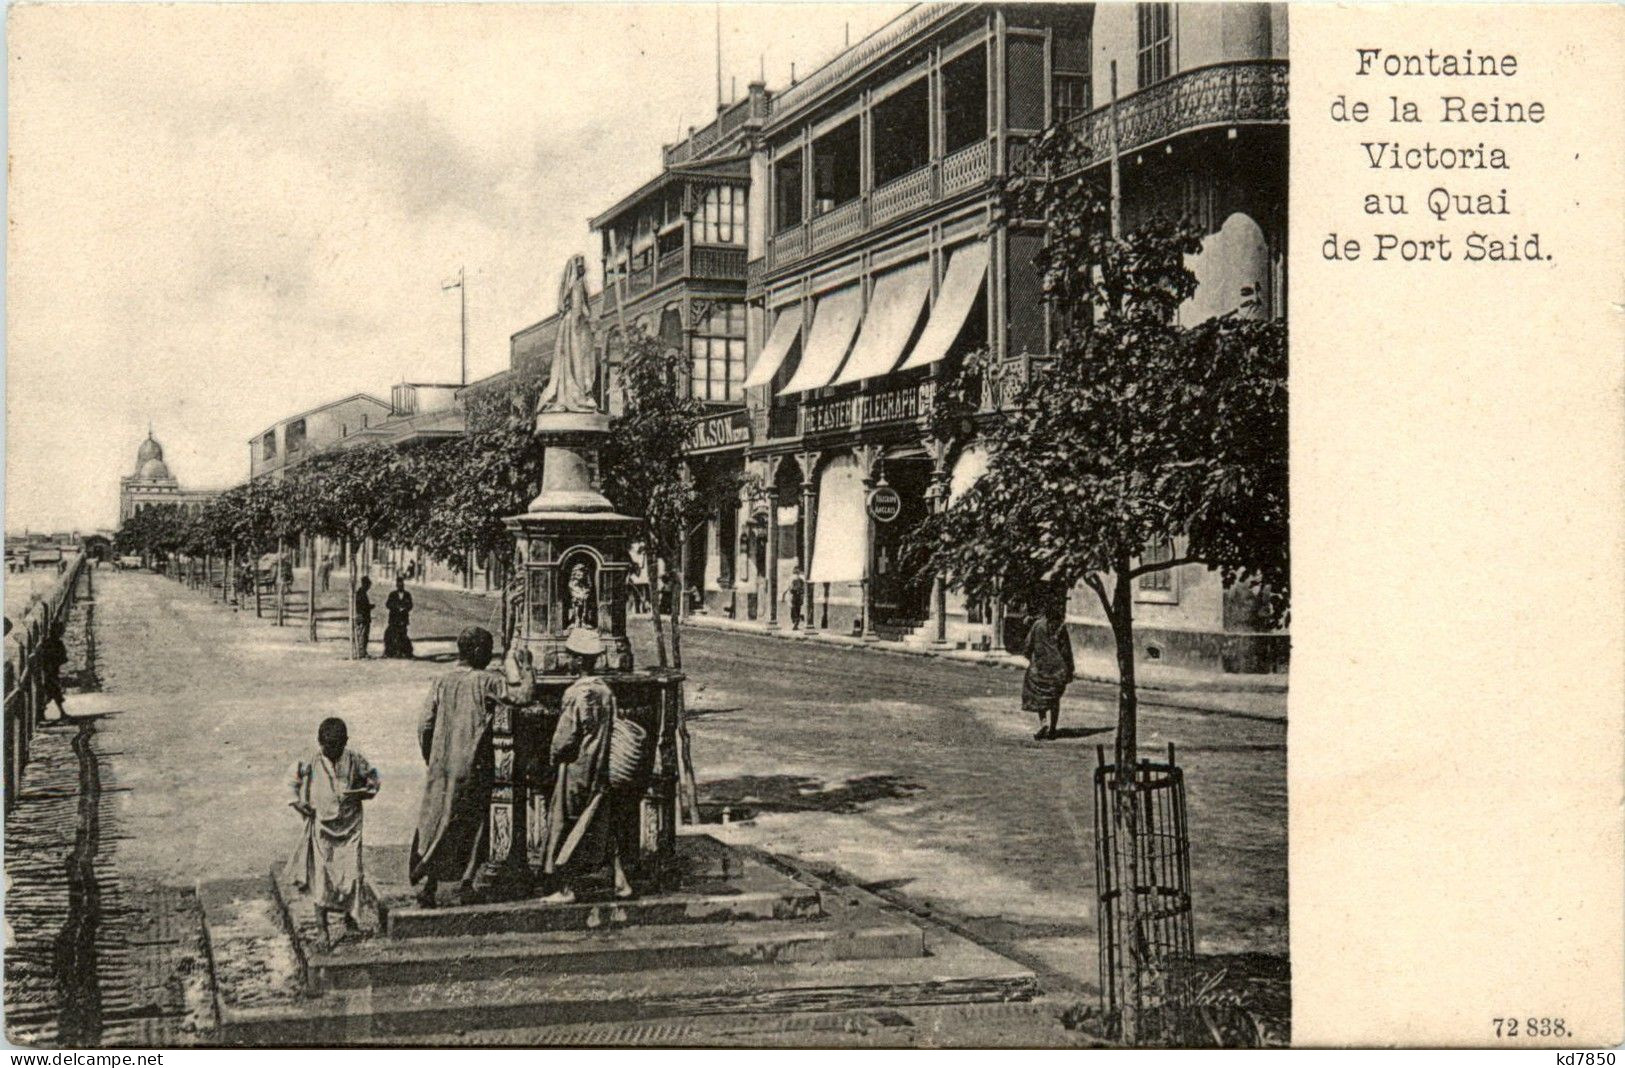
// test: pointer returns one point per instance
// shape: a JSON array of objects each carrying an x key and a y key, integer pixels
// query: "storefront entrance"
[{"x": 902, "y": 598}]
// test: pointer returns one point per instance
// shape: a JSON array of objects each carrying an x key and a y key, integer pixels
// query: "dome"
[
  {"x": 149, "y": 450},
  {"x": 154, "y": 468}
]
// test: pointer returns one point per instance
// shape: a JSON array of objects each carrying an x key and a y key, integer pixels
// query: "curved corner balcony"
[{"x": 1249, "y": 92}]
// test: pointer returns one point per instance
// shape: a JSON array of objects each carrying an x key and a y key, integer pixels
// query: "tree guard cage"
[{"x": 1142, "y": 880}]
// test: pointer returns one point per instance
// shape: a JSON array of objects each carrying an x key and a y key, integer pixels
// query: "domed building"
[{"x": 152, "y": 484}]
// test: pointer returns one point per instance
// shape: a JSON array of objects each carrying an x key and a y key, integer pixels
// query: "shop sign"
[
  {"x": 730, "y": 430},
  {"x": 884, "y": 504}
]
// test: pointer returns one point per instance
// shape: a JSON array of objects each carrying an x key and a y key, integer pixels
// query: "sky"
[{"x": 222, "y": 215}]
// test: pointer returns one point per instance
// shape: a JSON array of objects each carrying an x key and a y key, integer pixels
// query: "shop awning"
[
  {"x": 785, "y": 329},
  {"x": 960, "y": 288},
  {"x": 830, "y": 335},
  {"x": 894, "y": 311},
  {"x": 840, "y": 543}
]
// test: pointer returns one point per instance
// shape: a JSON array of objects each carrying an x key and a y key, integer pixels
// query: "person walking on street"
[
  {"x": 1049, "y": 667},
  {"x": 798, "y": 596},
  {"x": 455, "y": 738},
  {"x": 397, "y": 642},
  {"x": 363, "y": 618}
]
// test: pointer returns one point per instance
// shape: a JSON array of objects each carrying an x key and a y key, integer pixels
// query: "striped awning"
[
  {"x": 785, "y": 329},
  {"x": 834, "y": 321},
  {"x": 967, "y": 272},
  {"x": 894, "y": 312}
]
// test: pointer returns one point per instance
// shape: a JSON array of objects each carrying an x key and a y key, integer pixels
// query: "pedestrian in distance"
[
  {"x": 591, "y": 822},
  {"x": 798, "y": 596},
  {"x": 454, "y": 735},
  {"x": 325, "y": 573},
  {"x": 1048, "y": 650},
  {"x": 363, "y": 618},
  {"x": 397, "y": 642},
  {"x": 328, "y": 787}
]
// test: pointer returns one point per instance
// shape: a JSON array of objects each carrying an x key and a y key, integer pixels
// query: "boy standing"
[{"x": 328, "y": 788}]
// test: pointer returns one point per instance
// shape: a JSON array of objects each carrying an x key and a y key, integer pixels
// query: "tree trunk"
[
  {"x": 232, "y": 576},
  {"x": 1122, "y": 621},
  {"x": 254, "y": 572},
  {"x": 678, "y": 604},
  {"x": 281, "y": 583},
  {"x": 1126, "y": 814},
  {"x": 652, "y": 565},
  {"x": 310, "y": 599},
  {"x": 350, "y": 554}
]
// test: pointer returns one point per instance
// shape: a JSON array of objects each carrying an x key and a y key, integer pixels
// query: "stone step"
[
  {"x": 953, "y": 971},
  {"x": 535, "y": 917},
  {"x": 397, "y": 962}
]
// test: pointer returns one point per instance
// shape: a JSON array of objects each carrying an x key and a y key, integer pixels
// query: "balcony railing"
[
  {"x": 718, "y": 262},
  {"x": 966, "y": 167},
  {"x": 1225, "y": 94},
  {"x": 707, "y": 137},
  {"x": 1005, "y": 379},
  {"x": 900, "y": 195},
  {"x": 838, "y": 224},
  {"x": 670, "y": 264}
]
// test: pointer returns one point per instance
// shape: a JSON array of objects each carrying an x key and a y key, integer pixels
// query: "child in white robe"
[{"x": 328, "y": 788}]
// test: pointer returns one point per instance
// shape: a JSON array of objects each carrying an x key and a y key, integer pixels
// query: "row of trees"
[{"x": 447, "y": 498}]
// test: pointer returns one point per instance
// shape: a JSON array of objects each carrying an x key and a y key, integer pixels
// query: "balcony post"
[
  {"x": 868, "y": 457},
  {"x": 809, "y": 510},
  {"x": 938, "y": 496},
  {"x": 772, "y": 490}
]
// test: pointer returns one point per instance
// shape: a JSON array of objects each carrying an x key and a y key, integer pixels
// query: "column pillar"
[
  {"x": 772, "y": 556},
  {"x": 938, "y": 493},
  {"x": 808, "y": 462},
  {"x": 868, "y": 457}
]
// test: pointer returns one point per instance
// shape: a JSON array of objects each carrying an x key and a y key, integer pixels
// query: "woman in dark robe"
[
  {"x": 397, "y": 643},
  {"x": 1049, "y": 669}
]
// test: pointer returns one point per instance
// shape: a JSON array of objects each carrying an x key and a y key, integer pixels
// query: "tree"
[
  {"x": 1141, "y": 433},
  {"x": 644, "y": 471}
]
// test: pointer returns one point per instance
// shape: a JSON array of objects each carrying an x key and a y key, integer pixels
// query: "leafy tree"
[
  {"x": 1140, "y": 433},
  {"x": 644, "y": 471}
]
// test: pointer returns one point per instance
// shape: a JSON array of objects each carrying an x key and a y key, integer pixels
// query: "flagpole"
[{"x": 462, "y": 294}]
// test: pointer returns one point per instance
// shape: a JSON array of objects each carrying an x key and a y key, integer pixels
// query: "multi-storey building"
[
  {"x": 292, "y": 440},
  {"x": 882, "y": 259},
  {"x": 151, "y": 485}
]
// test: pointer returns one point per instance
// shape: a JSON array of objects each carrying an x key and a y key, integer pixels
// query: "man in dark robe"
[
  {"x": 455, "y": 735},
  {"x": 363, "y": 618},
  {"x": 1049, "y": 668},
  {"x": 397, "y": 640}
]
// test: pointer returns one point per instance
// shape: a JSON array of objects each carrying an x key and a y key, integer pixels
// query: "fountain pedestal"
[{"x": 575, "y": 553}]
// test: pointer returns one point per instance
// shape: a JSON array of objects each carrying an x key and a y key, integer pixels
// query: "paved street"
[{"x": 914, "y": 776}]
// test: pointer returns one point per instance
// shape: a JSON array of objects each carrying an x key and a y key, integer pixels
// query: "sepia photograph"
[{"x": 711, "y": 525}]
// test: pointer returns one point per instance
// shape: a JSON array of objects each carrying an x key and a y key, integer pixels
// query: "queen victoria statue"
[{"x": 572, "y": 383}]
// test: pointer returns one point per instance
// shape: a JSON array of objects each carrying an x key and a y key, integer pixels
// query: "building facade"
[
  {"x": 884, "y": 259},
  {"x": 152, "y": 485},
  {"x": 291, "y": 441}
]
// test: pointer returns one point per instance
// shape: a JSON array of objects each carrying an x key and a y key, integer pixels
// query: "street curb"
[{"x": 1240, "y": 684}]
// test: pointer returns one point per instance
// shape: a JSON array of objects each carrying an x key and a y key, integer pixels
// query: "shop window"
[
  {"x": 902, "y": 132},
  {"x": 964, "y": 100},
  {"x": 294, "y": 436},
  {"x": 721, "y": 218},
  {"x": 1156, "y": 43},
  {"x": 835, "y": 167},
  {"x": 787, "y": 192},
  {"x": 717, "y": 354}
]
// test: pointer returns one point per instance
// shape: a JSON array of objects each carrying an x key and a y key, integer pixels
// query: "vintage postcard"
[{"x": 1081, "y": 525}]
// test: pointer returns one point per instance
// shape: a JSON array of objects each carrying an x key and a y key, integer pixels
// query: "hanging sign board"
[{"x": 884, "y": 504}]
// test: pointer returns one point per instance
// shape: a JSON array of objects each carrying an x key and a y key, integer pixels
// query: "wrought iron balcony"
[{"x": 1224, "y": 94}]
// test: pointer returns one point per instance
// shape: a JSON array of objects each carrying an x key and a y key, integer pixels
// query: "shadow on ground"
[{"x": 749, "y": 794}]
